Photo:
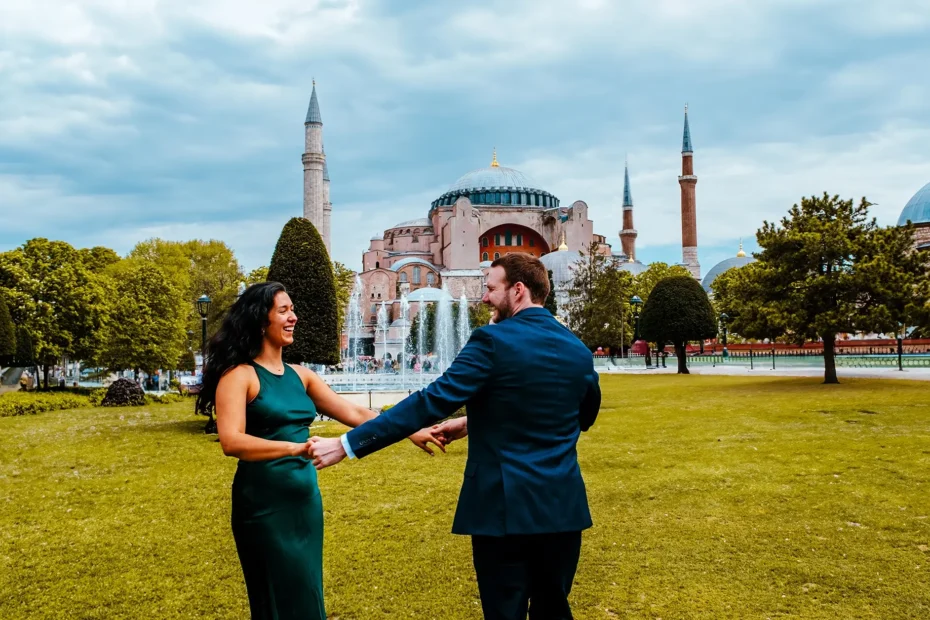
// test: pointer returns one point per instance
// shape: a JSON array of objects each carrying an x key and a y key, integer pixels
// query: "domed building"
[
  {"x": 740, "y": 260},
  {"x": 917, "y": 211}
]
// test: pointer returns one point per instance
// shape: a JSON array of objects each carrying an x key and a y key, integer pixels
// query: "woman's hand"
[
  {"x": 452, "y": 430},
  {"x": 426, "y": 436}
]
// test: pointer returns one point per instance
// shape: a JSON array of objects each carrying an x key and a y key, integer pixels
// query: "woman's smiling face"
[{"x": 281, "y": 321}]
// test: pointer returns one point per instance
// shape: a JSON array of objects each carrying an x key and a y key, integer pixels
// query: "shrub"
[
  {"x": 677, "y": 311},
  {"x": 165, "y": 399},
  {"x": 31, "y": 403},
  {"x": 96, "y": 396},
  {"x": 123, "y": 393},
  {"x": 300, "y": 262},
  {"x": 7, "y": 332}
]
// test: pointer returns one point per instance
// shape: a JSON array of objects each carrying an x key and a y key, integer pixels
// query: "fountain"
[
  {"x": 383, "y": 325},
  {"x": 354, "y": 333},
  {"x": 464, "y": 329},
  {"x": 405, "y": 347},
  {"x": 444, "y": 332}
]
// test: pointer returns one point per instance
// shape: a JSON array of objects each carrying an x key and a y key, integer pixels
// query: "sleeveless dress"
[{"x": 277, "y": 512}]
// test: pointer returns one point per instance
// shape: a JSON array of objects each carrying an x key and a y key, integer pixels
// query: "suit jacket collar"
[{"x": 531, "y": 312}]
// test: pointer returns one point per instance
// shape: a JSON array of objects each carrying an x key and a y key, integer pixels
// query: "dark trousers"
[{"x": 520, "y": 573}]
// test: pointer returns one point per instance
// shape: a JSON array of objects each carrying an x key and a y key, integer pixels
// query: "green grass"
[{"x": 713, "y": 497}]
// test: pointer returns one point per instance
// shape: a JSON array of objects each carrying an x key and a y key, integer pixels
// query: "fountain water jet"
[
  {"x": 464, "y": 328},
  {"x": 444, "y": 332}
]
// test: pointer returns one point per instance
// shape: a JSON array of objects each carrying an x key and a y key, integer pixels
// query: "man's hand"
[
  {"x": 451, "y": 430},
  {"x": 425, "y": 436},
  {"x": 326, "y": 452}
]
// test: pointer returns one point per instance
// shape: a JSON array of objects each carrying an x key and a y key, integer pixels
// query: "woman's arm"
[{"x": 231, "y": 398}]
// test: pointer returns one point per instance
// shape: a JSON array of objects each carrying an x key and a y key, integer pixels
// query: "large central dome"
[
  {"x": 917, "y": 209},
  {"x": 498, "y": 185}
]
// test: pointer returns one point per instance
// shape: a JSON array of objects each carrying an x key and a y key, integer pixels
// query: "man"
[{"x": 529, "y": 388}]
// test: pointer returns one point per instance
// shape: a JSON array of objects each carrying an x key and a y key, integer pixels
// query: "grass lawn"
[{"x": 713, "y": 497}]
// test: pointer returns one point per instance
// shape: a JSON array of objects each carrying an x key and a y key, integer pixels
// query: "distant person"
[{"x": 263, "y": 410}]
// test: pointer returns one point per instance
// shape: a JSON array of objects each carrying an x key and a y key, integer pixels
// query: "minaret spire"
[
  {"x": 314, "y": 161},
  {"x": 687, "y": 181},
  {"x": 628, "y": 233}
]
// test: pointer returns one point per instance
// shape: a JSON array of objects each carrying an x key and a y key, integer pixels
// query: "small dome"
[
  {"x": 400, "y": 323},
  {"x": 377, "y": 238},
  {"x": 724, "y": 265},
  {"x": 412, "y": 260},
  {"x": 561, "y": 264},
  {"x": 420, "y": 221},
  {"x": 428, "y": 293},
  {"x": 485, "y": 264},
  {"x": 635, "y": 268},
  {"x": 917, "y": 209}
]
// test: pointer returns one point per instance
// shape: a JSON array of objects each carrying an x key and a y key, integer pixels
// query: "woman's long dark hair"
[{"x": 238, "y": 341}]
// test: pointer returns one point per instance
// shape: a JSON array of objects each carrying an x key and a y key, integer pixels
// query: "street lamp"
[
  {"x": 637, "y": 303},
  {"x": 723, "y": 322},
  {"x": 203, "y": 304}
]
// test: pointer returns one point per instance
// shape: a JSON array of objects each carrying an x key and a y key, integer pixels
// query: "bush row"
[{"x": 26, "y": 403}]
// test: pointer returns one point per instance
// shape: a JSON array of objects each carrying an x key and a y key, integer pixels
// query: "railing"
[{"x": 772, "y": 359}]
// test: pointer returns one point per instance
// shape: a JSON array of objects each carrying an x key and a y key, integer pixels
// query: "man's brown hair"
[{"x": 527, "y": 269}]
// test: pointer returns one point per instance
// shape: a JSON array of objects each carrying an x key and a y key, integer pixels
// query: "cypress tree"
[
  {"x": 678, "y": 310},
  {"x": 551, "y": 304},
  {"x": 300, "y": 262}
]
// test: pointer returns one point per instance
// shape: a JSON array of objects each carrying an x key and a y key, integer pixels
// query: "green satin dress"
[{"x": 277, "y": 512}]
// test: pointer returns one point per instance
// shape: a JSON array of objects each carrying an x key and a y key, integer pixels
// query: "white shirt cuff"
[{"x": 346, "y": 446}]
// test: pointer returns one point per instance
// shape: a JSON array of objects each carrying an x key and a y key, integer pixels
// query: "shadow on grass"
[{"x": 175, "y": 427}]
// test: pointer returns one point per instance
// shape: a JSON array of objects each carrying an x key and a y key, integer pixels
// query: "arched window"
[
  {"x": 519, "y": 239},
  {"x": 505, "y": 198},
  {"x": 484, "y": 256},
  {"x": 416, "y": 275},
  {"x": 430, "y": 278},
  {"x": 532, "y": 242},
  {"x": 403, "y": 277},
  {"x": 497, "y": 239},
  {"x": 416, "y": 235},
  {"x": 497, "y": 255},
  {"x": 508, "y": 238},
  {"x": 497, "y": 198},
  {"x": 377, "y": 265},
  {"x": 484, "y": 242}
]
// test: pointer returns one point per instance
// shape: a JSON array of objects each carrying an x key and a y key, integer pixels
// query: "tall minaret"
[
  {"x": 687, "y": 180},
  {"x": 628, "y": 234},
  {"x": 327, "y": 206},
  {"x": 314, "y": 161}
]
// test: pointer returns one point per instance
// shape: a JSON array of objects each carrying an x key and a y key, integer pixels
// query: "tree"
[
  {"x": 598, "y": 299},
  {"x": 479, "y": 315},
  {"x": 62, "y": 302},
  {"x": 646, "y": 281},
  {"x": 7, "y": 333},
  {"x": 678, "y": 310},
  {"x": 345, "y": 281},
  {"x": 551, "y": 305},
  {"x": 430, "y": 317},
  {"x": 98, "y": 258},
  {"x": 196, "y": 268},
  {"x": 300, "y": 262},
  {"x": 25, "y": 350},
  {"x": 148, "y": 333},
  {"x": 828, "y": 269},
  {"x": 259, "y": 274}
]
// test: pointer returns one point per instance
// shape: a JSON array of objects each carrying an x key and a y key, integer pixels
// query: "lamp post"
[
  {"x": 900, "y": 340},
  {"x": 723, "y": 322},
  {"x": 203, "y": 305},
  {"x": 636, "y": 303}
]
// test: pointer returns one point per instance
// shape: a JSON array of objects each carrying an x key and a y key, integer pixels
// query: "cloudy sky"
[{"x": 182, "y": 119}]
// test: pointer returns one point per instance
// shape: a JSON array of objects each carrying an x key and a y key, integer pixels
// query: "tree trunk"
[
  {"x": 682, "y": 360},
  {"x": 45, "y": 371},
  {"x": 829, "y": 359}
]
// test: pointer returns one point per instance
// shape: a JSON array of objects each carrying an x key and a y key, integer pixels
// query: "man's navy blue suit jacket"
[{"x": 529, "y": 388}]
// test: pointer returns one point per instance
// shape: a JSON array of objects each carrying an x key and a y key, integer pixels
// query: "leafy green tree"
[
  {"x": 479, "y": 315},
  {"x": 829, "y": 269},
  {"x": 197, "y": 267},
  {"x": 430, "y": 313},
  {"x": 646, "y": 281},
  {"x": 98, "y": 258},
  {"x": 551, "y": 305},
  {"x": 7, "y": 334},
  {"x": 678, "y": 310},
  {"x": 25, "y": 350},
  {"x": 300, "y": 262},
  {"x": 62, "y": 302},
  {"x": 598, "y": 307},
  {"x": 259, "y": 274},
  {"x": 148, "y": 333},
  {"x": 345, "y": 280}
]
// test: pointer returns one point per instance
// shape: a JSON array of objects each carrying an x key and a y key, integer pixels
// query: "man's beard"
[{"x": 503, "y": 311}]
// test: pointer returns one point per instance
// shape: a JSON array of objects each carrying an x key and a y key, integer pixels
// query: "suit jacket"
[{"x": 529, "y": 388}]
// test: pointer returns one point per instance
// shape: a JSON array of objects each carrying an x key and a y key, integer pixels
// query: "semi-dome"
[
  {"x": 421, "y": 221},
  {"x": 401, "y": 322},
  {"x": 917, "y": 209},
  {"x": 428, "y": 294},
  {"x": 725, "y": 265},
  {"x": 498, "y": 185},
  {"x": 561, "y": 264},
  {"x": 410, "y": 260},
  {"x": 634, "y": 268}
]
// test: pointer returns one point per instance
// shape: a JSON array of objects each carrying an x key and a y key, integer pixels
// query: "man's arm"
[
  {"x": 591, "y": 403},
  {"x": 468, "y": 373}
]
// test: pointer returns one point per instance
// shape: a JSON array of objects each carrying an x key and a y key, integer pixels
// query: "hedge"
[{"x": 24, "y": 403}]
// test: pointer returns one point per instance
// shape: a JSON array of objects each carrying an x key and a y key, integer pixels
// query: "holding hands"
[{"x": 325, "y": 452}]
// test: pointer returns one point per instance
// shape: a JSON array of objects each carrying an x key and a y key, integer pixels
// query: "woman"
[{"x": 264, "y": 408}]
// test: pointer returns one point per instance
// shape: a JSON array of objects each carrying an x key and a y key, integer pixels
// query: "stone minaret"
[
  {"x": 687, "y": 180},
  {"x": 327, "y": 206},
  {"x": 628, "y": 234},
  {"x": 314, "y": 161}
]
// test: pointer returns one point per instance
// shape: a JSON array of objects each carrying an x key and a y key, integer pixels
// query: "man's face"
[{"x": 498, "y": 295}]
